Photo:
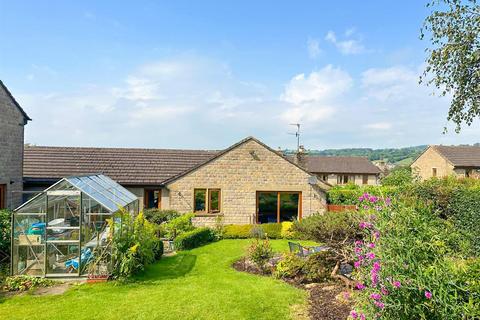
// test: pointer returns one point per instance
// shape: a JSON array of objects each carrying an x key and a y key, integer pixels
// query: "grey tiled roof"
[
  {"x": 127, "y": 166},
  {"x": 461, "y": 156},
  {"x": 334, "y": 164}
]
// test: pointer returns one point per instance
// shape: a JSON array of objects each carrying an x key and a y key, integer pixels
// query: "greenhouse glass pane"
[
  {"x": 62, "y": 258},
  {"x": 37, "y": 204},
  {"x": 63, "y": 211},
  {"x": 28, "y": 260}
]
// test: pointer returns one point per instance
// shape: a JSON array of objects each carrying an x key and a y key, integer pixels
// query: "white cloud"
[
  {"x": 321, "y": 85},
  {"x": 347, "y": 46},
  {"x": 313, "y": 46}
]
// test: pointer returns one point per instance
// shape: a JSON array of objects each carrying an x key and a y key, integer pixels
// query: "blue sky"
[{"x": 204, "y": 74}]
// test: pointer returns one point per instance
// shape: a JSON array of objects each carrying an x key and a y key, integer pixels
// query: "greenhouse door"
[
  {"x": 278, "y": 206},
  {"x": 63, "y": 233}
]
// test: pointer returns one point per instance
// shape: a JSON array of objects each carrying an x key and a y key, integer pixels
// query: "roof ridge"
[
  {"x": 115, "y": 148},
  {"x": 10, "y": 95}
]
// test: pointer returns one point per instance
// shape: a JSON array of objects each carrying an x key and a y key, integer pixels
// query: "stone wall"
[
  {"x": 11, "y": 149},
  {"x": 240, "y": 173},
  {"x": 332, "y": 179},
  {"x": 430, "y": 159}
]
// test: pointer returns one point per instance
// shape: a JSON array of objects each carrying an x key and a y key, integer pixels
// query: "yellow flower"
[{"x": 133, "y": 249}]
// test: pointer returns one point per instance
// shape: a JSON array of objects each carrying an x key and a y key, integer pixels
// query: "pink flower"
[
  {"x": 428, "y": 295},
  {"x": 379, "y": 304},
  {"x": 397, "y": 284},
  {"x": 362, "y": 316},
  {"x": 360, "y": 286},
  {"x": 353, "y": 314},
  {"x": 370, "y": 255},
  {"x": 357, "y": 264},
  {"x": 377, "y": 266},
  {"x": 384, "y": 291},
  {"x": 358, "y": 250},
  {"x": 358, "y": 242},
  {"x": 376, "y": 235},
  {"x": 371, "y": 245},
  {"x": 376, "y": 296}
]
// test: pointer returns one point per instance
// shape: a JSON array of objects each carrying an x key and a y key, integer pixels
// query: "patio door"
[{"x": 278, "y": 206}]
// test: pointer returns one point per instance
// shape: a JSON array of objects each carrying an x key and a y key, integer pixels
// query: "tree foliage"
[{"x": 453, "y": 61}]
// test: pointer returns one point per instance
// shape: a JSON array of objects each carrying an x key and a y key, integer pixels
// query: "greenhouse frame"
[{"x": 64, "y": 231}]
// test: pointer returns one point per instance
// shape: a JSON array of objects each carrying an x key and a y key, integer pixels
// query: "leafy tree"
[{"x": 453, "y": 62}]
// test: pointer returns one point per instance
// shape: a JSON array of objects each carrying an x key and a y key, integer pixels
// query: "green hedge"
[
  {"x": 245, "y": 231},
  {"x": 194, "y": 238},
  {"x": 349, "y": 194}
]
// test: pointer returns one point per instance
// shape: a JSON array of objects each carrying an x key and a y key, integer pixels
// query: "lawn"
[{"x": 196, "y": 284}]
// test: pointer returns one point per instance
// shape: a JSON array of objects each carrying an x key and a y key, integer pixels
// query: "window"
[
  {"x": 213, "y": 200},
  {"x": 468, "y": 173},
  {"x": 365, "y": 179},
  {"x": 152, "y": 199},
  {"x": 3, "y": 202},
  {"x": 344, "y": 179},
  {"x": 434, "y": 172},
  {"x": 325, "y": 177},
  {"x": 278, "y": 206},
  {"x": 207, "y": 198}
]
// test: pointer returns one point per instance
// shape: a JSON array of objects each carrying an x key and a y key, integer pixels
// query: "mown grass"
[{"x": 195, "y": 284}]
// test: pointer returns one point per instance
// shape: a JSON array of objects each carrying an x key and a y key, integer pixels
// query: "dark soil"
[{"x": 328, "y": 302}]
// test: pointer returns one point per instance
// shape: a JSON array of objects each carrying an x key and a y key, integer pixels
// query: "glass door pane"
[
  {"x": 267, "y": 207},
  {"x": 289, "y": 203}
]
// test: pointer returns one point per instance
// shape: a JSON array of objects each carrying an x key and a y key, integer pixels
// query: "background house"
[
  {"x": 442, "y": 161},
  {"x": 12, "y": 121},
  {"x": 337, "y": 170}
]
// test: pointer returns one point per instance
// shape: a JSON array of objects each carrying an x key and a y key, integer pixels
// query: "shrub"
[
  {"x": 245, "y": 231},
  {"x": 179, "y": 225},
  {"x": 24, "y": 283},
  {"x": 5, "y": 221},
  {"x": 287, "y": 230},
  {"x": 337, "y": 230},
  {"x": 399, "y": 177},
  {"x": 194, "y": 238},
  {"x": 260, "y": 252},
  {"x": 412, "y": 266},
  {"x": 289, "y": 267},
  {"x": 350, "y": 193},
  {"x": 158, "y": 249},
  {"x": 233, "y": 231},
  {"x": 272, "y": 230},
  {"x": 134, "y": 244},
  {"x": 159, "y": 216},
  {"x": 318, "y": 267},
  {"x": 464, "y": 210}
]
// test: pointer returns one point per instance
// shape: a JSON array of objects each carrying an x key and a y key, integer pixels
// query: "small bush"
[
  {"x": 319, "y": 266},
  {"x": 158, "y": 249},
  {"x": 24, "y": 283},
  {"x": 179, "y": 225},
  {"x": 272, "y": 230},
  {"x": 289, "y": 267},
  {"x": 194, "y": 238},
  {"x": 159, "y": 216},
  {"x": 350, "y": 194},
  {"x": 233, "y": 231},
  {"x": 5, "y": 220},
  {"x": 260, "y": 252},
  {"x": 287, "y": 230}
]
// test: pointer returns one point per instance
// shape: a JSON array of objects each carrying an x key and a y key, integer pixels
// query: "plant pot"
[{"x": 97, "y": 279}]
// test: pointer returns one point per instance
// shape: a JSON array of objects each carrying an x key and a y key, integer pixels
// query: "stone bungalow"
[
  {"x": 12, "y": 121},
  {"x": 245, "y": 183},
  {"x": 442, "y": 161}
]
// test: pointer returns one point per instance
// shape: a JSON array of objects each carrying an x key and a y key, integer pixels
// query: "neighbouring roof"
[
  {"x": 9, "y": 94},
  {"x": 127, "y": 166},
  {"x": 334, "y": 164},
  {"x": 460, "y": 156}
]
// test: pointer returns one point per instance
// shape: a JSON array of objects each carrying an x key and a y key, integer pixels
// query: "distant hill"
[{"x": 402, "y": 156}]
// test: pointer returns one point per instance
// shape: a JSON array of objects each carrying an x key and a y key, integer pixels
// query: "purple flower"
[
  {"x": 353, "y": 314},
  {"x": 376, "y": 266},
  {"x": 371, "y": 245},
  {"x": 376, "y": 296},
  {"x": 360, "y": 286},
  {"x": 358, "y": 242},
  {"x": 388, "y": 201},
  {"x": 397, "y": 284},
  {"x": 362, "y": 316},
  {"x": 357, "y": 264},
  {"x": 358, "y": 250},
  {"x": 376, "y": 235},
  {"x": 370, "y": 255},
  {"x": 384, "y": 291},
  {"x": 362, "y": 225},
  {"x": 379, "y": 304},
  {"x": 428, "y": 295}
]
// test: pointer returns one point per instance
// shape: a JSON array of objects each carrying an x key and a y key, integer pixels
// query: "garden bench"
[{"x": 304, "y": 251}]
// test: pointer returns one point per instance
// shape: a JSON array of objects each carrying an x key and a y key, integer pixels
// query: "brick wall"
[
  {"x": 432, "y": 159},
  {"x": 11, "y": 149},
  {"x": 248, "y": 168}
]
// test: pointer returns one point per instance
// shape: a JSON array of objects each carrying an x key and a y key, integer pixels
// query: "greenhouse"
[{"x": 65, "y": 230}]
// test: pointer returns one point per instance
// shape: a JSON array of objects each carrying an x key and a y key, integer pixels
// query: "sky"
[{"x": 206, "y": 74}]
